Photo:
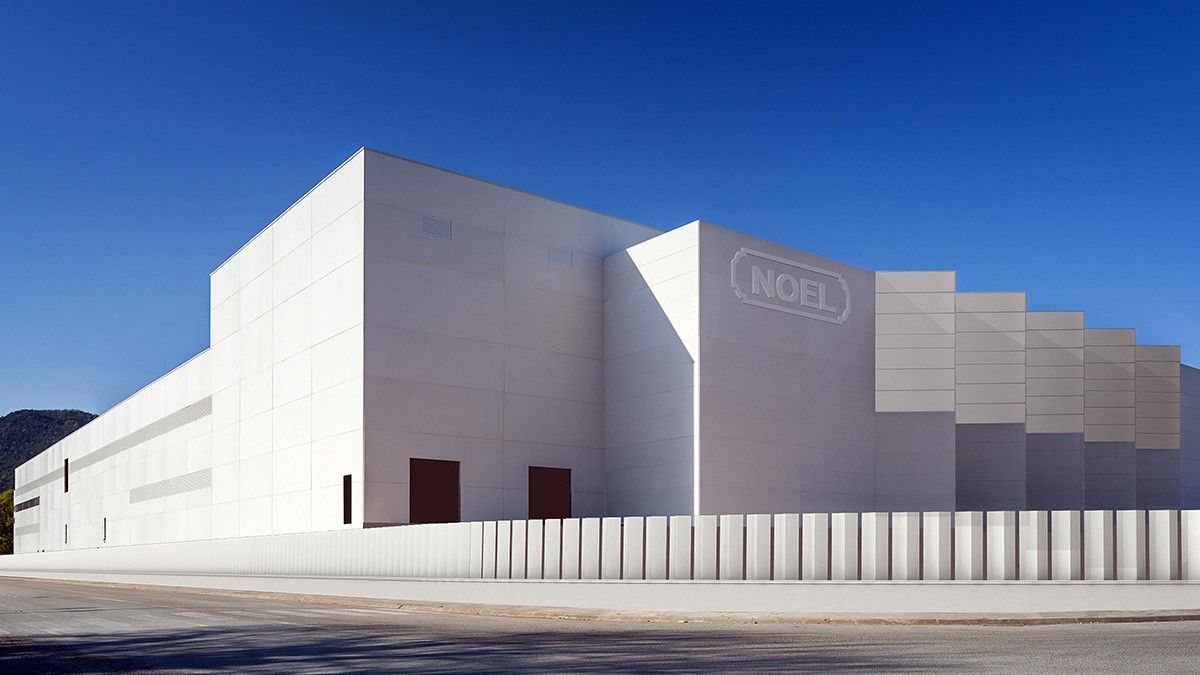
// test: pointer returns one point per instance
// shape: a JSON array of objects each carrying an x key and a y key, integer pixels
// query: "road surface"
[{"x": 49, "y": 626}]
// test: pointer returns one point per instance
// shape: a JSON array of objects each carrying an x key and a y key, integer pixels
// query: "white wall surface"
[
  {"x": 651, "y": 343},
  {"x": 252, "y": 436},
  {"x": 287, "y": 345},
  {"x": 160, "y": 433},
  {"x": 786, "y": 394},
  {"x": 484, "y": 337}
]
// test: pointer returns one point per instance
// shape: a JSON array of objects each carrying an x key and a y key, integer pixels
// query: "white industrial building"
[{"x": 406, "y": 344}]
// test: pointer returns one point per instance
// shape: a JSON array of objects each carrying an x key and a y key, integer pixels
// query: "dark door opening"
[
  {"x": 549, "y": 492},
  {"x": 433, "y": 491}
]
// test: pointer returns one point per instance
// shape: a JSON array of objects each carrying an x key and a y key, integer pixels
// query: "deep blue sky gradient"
[{"x": 1049, "y": 149}]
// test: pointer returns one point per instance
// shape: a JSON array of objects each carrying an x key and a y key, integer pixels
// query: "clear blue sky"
[{"x": 1048, "y": 149}]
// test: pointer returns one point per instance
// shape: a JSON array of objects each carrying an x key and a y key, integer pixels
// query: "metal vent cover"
[
  {"x": 188, "y": 482},
  {"x": 437, "y": 227},
  {"x": 560, "y": 256}
]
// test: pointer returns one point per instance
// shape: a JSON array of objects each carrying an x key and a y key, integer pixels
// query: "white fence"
[
  {"x": 908, "y": 546},
  {"x": 971, "y": 545}
]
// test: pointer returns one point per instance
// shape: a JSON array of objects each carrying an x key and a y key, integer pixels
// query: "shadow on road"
[{"x": 371, "y": 648}]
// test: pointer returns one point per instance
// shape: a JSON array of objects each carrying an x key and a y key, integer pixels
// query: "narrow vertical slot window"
[
  {"x": 346, "y": 499},
  {"x": 66, "y": 475}
]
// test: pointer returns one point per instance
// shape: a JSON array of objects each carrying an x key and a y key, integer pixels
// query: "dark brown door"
[
  {"x": 549, "y": 492},
  {"x": 433, "y": 491}
]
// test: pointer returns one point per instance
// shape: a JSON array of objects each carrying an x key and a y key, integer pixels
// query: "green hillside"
[{"x": 25, "y": 433}]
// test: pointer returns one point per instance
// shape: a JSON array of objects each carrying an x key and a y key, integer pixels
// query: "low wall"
[{"x": 931, "y": 546}]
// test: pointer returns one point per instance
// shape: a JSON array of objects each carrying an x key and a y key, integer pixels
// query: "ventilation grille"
[
  {"x": 185, "y": 415},
  {"x": 27, "y": 504},
  {"x": 35, "y": 484},
  {"x": 188, "y": 482},
  {"x": 437, "y": 227},
  {"x": 31, "y": 528},
  {"x": 561, "y": 256}
]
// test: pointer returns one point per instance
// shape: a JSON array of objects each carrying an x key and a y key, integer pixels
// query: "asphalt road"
[{"x": 48, "y": 626}]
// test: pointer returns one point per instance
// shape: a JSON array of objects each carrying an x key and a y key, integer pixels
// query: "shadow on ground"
[{"x": 372, "y": 648}]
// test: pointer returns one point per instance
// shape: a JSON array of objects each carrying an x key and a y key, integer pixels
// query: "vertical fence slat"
[
  {"x": 876, "y": 540},
  {"x": 1189, "y": 545},
  {"x": 534, "y": 541},
  {"x": 1164, "y": 545},
  {"x": 936, "y": 552},
  {"x": 610, "y": 548},
  {"x": 705, "y": 563},
  {"x": 1001, "y": 545},
  {"x": 1098, "y": 564},
  {"x": 570, "y": 548},
  {"x": 465, "y": 550},
  {"x": 1066, "y": 552},
  {"x": 814, "y": 556},
  {"x": 589, "y": 549},
  {"x": 489, "y": 550},
  {"x": 552, "y": 549},
  {"x": 787, "y": 547},
  {"x": 1131, "y": 544},
  {"x": 475, "y": 570},
  {"x": 968, "y": 546},
  {"x": 504, "y": 530},
  {"x": 520, "y": 532},
  {"x": 843, "y": 547},
  {"x": 656, "y": 547},
  {"x": 633, "y": 540},
  {"x": 427, "y": 545},
  {"x": 732, "y": 544},
  {"x": 680, "y": 552},
  {"x": 906, "y": 547},
  {"x": 758, "y": 547},
  {"x": 1034, "y": 538}
]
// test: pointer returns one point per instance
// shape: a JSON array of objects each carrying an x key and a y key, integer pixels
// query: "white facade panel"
[
  {"x": 1156, "y": 381},
  {"x": 1109, "y": 359},
  {"x": 990, "y": 358},
  {"x": 1054, "y": 399},
  {"x": 915, "y": 337}
]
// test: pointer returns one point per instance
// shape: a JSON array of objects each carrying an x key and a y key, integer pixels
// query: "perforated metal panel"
[
  {"x": 31, "y": 528},
  {"x": 39, "y": 482},
  {"x": 188, "y": 482},
  {"x": 437, "y": 227},
  {"x": 560, "y": 256}
]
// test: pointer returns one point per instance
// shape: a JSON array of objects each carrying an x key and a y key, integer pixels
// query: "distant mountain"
[{"x": 25, "y": 433}]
